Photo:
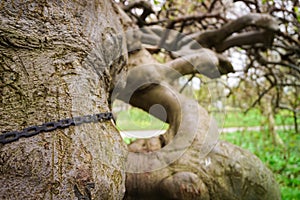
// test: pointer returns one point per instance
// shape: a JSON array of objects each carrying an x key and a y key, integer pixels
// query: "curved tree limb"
[
  {"x": 264, "y": 38},
  {"x": 227, "y": 172},
  {"x": 220, "y": 39},
  {"x": 203, "y": 61},
  {"x": 213, "y": 37},
  {"x": 188, "y": 161}
]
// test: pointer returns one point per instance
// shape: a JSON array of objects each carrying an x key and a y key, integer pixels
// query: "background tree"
[
  {"x": 256, "y": 30},
  {"x": 270, "y": 59}
]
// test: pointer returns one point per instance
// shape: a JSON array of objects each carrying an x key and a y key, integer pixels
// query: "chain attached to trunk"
[{"x": 12, "y": 136}]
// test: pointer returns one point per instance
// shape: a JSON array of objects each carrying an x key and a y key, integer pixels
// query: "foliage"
[{"x": 284, "y": 161}]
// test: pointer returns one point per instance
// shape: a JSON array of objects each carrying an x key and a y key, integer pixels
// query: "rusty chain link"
[{"x": 12, "y": 136}]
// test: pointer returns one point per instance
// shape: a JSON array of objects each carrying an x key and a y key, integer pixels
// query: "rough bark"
[
  {"x": 226, "y": 173},
  {"x": 59, "y": 59}
]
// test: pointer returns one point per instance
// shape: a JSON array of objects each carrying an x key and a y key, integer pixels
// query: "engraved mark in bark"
[{"x": 87, "y": 192}]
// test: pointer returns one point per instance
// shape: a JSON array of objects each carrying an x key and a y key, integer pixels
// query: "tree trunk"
[
  {"x": 266, "y": 107},
  {"x": 59, "y": 59}
]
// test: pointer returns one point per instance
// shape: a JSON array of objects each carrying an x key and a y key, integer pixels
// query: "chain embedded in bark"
[{"x": 12, "y": 136}]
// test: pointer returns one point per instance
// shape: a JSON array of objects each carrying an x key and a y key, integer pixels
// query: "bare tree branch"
[
  {"x": 264, "y": 38},
  {"x": 260, "y": 97},
  {"x": 213, "y": 37},
  {"x": 184, "y": 86},
  {"x": 204, "y": 62}
]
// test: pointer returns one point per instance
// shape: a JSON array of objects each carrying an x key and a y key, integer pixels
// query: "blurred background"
[{"x": 257, "y": 107}]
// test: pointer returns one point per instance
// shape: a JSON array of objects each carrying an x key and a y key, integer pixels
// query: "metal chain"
[{"x": 12, "y": 136}]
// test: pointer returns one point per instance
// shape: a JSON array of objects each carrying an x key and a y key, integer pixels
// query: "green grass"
[
  {"x": 254, "y": 118},
  {"x": 284, "y": 161},
  {"x": 136, "y": 119}
]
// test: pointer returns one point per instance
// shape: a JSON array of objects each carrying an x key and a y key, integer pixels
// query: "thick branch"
[
  {"x": 192, "y": 156},
  {"x": 145, "y": 89},
  {"x": 204, "y": 62},
  {"x": 213, "y": 37},
  {"x": 185, "y": 162},
  {"x": 257, "y": 37}
]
